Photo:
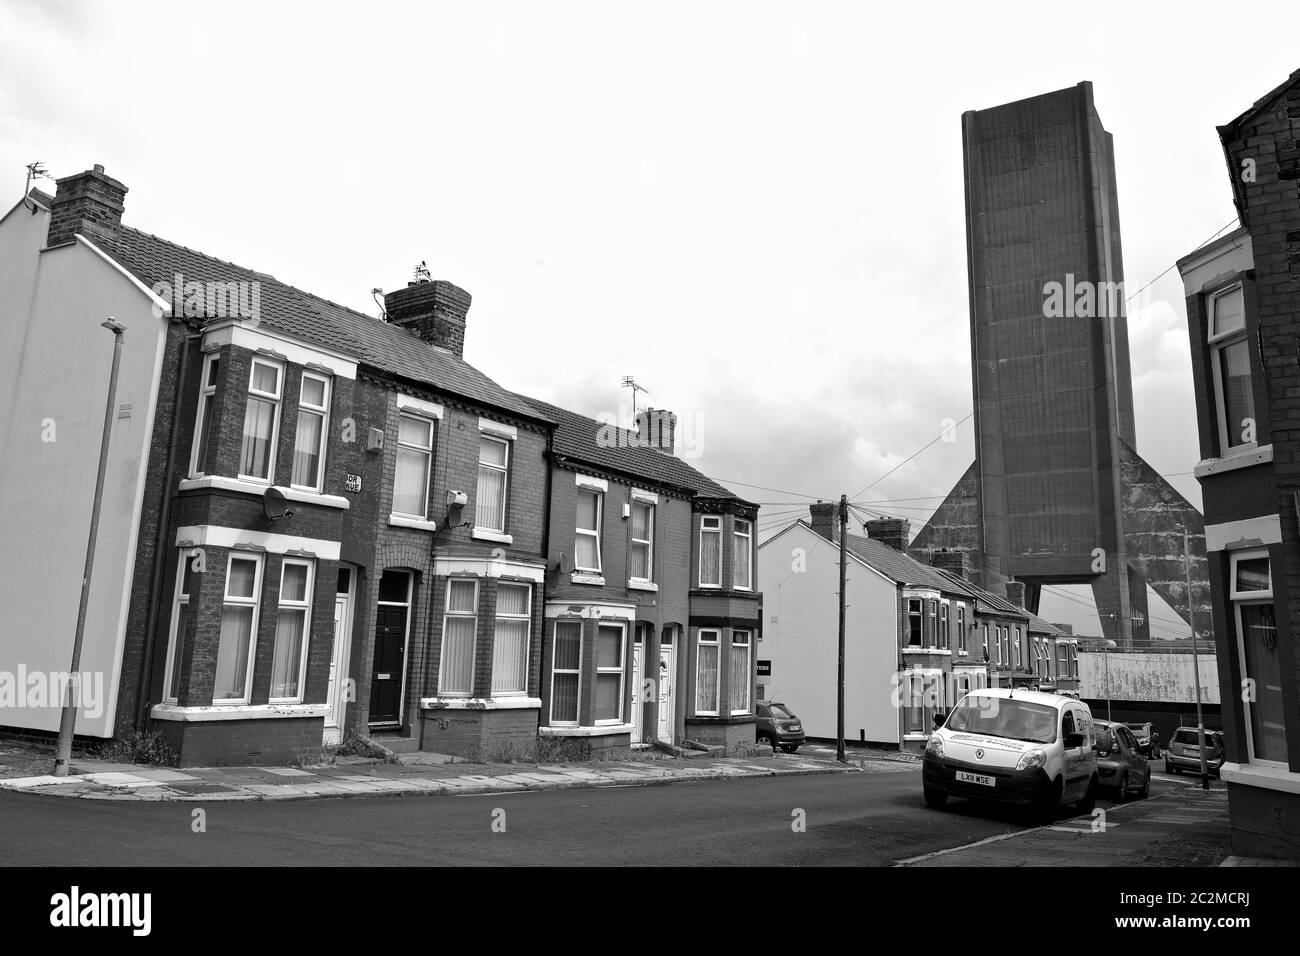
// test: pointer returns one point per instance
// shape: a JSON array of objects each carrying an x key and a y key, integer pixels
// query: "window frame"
[
  {"x": 576, "y": 672},
  {"x": 1216, "y": 342},
  {"x": 1237, "y": 598},
  {"x": 621, "y": 670},
  {"x": 305, "y": 605},
  {"x": 963, "y": 645},
  {"x": 596, "y": 534},
  {"x": 447, "y": 613},
  {"x": 717, "y": 689},
  {"x": 504, "y": 470},
  {"x": 527, "y": 618},
  {"x": 207, "y": 391},
  {"x": 179, "y": 597},
  {"x": 748, "y": 536},
  {"x": 748, "y": 645},
  {"x": 945, "y": 636},
  {"x": 915, "y": 616},
  {"x": 321, "y": 411},
  {"x": 255, "y": 602},
  {"x": 712, "y": 530},
  {"x": 277, "y": 401},
  {"x": 398, "y": 444},
  {"x": 648, "y": 542}
]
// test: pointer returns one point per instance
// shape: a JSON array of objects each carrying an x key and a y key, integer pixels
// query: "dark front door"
[{"x": 386, "y": 682}]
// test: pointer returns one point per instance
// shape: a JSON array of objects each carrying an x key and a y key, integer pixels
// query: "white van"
[{"x": 1014, "y": 746}]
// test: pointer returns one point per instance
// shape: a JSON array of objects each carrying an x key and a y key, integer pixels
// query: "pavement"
[
  {"x": 1178, "y": 825},
  {"x": 412, "y": 774}
]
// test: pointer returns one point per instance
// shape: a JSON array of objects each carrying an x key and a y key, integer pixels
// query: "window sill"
[
  {"x": 237, "y": 712},
  {"x": 420, "y": 524},
  {"x": 586, "y": 577},
  {"x": 1241, "y": 458},
  {"x": 481, "y": 703},
  {"x": 601, "y": 730},
  {"x": 635, "y": 585},
  {"x": 487, "y": 534},
  {"x": 258, "y": 488},
  {"x": 1264, "y": 776},
  {"x": 941, "y": 651}
]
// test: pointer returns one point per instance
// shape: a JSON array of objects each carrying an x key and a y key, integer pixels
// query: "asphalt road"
[{"x": 850, "y": 819}]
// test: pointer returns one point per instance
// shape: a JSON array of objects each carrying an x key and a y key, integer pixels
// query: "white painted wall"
[
  {"x": 1153, "y": 677},
  {"x": 800, "y": 637},
  {"x": 54, "y": 367}
]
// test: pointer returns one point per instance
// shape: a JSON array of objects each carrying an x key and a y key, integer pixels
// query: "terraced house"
[
  {"x": 651, "y": 577},
  {"x": 316, "y": 521}
]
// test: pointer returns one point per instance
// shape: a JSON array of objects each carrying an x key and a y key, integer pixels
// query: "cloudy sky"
[{"x": 754, "y": 208}]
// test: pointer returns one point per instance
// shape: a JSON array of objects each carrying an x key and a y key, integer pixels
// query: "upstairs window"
[
  {"x": 1234, "y": 398},
  {"x": 742, "y": 540},
  {"x": 961, "y": 629},
  {"x": 641, "y": 555},
  {"x": 203, "y": 423},
  {"x": 309, "y": 437},
  {"x": 261, "y": 422},
  {"x": 943, "y": 626},
  {"x": 493, "y": 467},
  {"x": 710, "y": 552},
  {"x": 914, "y": 622},
  {"x": 586, "y": 545},
  {"x": 414, "y": 457}
]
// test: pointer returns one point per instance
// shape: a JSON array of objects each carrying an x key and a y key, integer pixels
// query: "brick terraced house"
[
  {"x": 654, "y": 563},
  {"x": 1243, "y": 319},
  {"x": 314, "y": 521}
]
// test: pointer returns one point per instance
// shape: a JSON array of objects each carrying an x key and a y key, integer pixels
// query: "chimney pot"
[
  {"x": 891, "y": 531},
  {"x": 657, "y": 427}
]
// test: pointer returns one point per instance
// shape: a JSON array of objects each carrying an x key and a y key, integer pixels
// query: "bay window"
[
  {"x": 741, "y": 556},
  {"x": 180, "y": 616},
  {"x": 261, "y": 422},
  {"x": 234, "y": 671},
  {"x": 414, "y": 457},
  {"x": 610, "y": 639},
  {"x": 707, "y": 671},
  {"x": 914, "y": 622},
  {"x": 203, "y": 421},
  {"x": 289, "y": 661},
  {"x": 309, "y": 437},
  {"x": 510, "y": 639},
  {"x": 741, "y": 672},
  {"x": 566, "y": 664},
  {"x": 710, "y": 552},
  {"x": 459, "y": 627}
]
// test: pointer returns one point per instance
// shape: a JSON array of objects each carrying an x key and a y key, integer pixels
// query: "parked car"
[
  {"x": 1148, "y": 738},
  {"x": 1013, "y": 746},
  {"x": 776, "y": 726},
  {"x": 1120, "y": 764},
  {"x": 1184, "y": 751}
]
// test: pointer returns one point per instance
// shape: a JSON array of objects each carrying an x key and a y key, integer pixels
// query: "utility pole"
[
  {"x": 844, "y": 554},
  {"x": 72, "y": 691},
  {"x": 1196, "y": 661}
]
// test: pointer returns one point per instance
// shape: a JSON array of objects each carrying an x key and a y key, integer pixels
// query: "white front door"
[
  {"x": 666, "y": 698},
  {"x": 638, "y": 697},
  {"x": 338, "y": 694}
]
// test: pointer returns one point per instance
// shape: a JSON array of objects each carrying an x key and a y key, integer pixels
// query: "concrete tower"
[{"x": 1057, "y": 493}]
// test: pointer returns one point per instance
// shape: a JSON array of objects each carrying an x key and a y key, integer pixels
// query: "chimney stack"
[
  {"x": 434, "y": 310},
  {"x": 825, "y": 519},
  {"x": 89, "y": 203},
  {"x": 657, "y": 428},
  {"x": 1016, "y": 593},
  {"x": 955, "y": 563},
  {"x": 891, "y": 531}
]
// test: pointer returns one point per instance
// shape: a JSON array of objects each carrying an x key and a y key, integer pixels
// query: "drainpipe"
[{"x": 160, "y": 542}]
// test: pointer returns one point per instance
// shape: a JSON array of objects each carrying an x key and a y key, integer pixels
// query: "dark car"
[
  {"x": 1120, "y": 764},
  {"x": 1148, "y": 738},
  {"x": 1184, "y": 751},
  {"x": 776, "y": 726}
]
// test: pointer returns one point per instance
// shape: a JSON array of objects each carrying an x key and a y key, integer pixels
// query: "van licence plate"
[{"x": 965, "y": 777}]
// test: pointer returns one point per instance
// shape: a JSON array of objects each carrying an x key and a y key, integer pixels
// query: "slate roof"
[
  {"x": 986, "y": 602},
  {"x": 902, "y": 568},
  {"x": 287, "y": 309},
  {"x": 576, "y": 437}
]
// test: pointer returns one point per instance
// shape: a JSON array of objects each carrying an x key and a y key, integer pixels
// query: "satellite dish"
[{"x": 276, "y": 504}]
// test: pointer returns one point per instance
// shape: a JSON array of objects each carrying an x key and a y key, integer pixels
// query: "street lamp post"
[
  {"x": 68, "y": 719},
  {"x": 1196, "y": 661}
]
